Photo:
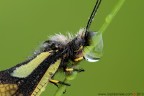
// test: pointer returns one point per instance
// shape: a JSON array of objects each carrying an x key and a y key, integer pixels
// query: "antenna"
[{"x": 98, "y": 2}]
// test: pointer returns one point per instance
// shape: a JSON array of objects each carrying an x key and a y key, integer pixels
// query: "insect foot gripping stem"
[
  {"x": 56, "y": 82},
  {"x": 74, "y": 69}
]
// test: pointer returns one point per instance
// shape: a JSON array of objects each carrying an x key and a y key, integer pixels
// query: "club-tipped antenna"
[{"x": 93, "y": 14}]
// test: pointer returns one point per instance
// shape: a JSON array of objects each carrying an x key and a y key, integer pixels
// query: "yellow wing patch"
[
  {"x": 44, "y": 81},
  {"x": 8, "y": 89},
  {"x": 25, "y": 70}
]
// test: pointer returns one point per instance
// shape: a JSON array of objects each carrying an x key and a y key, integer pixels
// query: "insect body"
[{"x": 30, "y": 78}]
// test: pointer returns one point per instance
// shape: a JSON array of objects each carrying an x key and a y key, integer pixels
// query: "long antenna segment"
[{"x": 98, "y": 2}]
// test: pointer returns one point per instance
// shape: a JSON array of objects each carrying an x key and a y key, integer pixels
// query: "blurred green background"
[{"x": 24, "y": 24}]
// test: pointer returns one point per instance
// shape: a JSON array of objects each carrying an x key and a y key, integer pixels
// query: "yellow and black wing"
[
  {"x": 30, "y": 77},
  {"x": 8, "y": 89}
]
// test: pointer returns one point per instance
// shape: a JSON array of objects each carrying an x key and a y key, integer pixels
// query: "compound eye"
[{"x": 88, "y": 38}]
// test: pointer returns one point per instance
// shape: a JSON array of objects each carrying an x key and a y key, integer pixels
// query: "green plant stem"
[
  {"x": 107, "y": 22},
  {"x": 62, "y": 88},
  {"x": 110, "y": 17}
]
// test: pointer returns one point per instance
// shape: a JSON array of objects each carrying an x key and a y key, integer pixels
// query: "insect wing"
[
  {"x": 44, "y": 80},
  {"x": 30, "y": 77},
  {"x": 8, "y": 89}
]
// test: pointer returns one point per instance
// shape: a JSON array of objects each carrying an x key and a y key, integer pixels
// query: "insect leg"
[
  {"x": 74, "y": 69},
  {"x": 56, "y": 82}
]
